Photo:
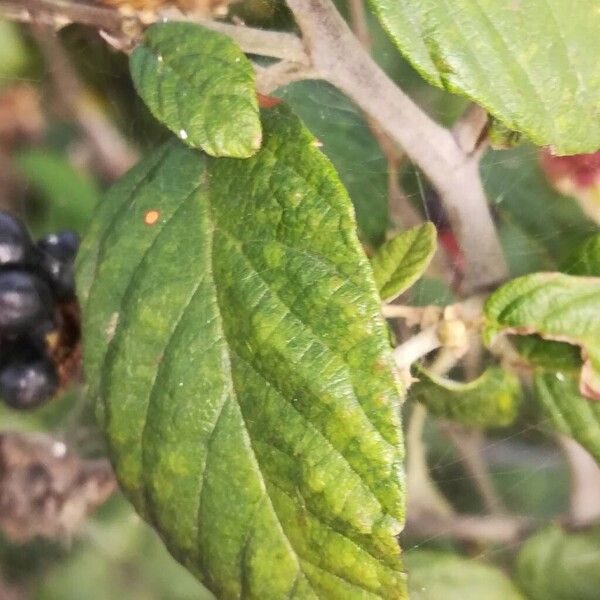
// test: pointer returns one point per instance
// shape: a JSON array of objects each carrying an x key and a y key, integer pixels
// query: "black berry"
[
  {"x": 27, "y": 384},
  {"x": 25, "y": 303},
  {"x": 15, "y": 244},
  {"x": 57, "y": 253}
]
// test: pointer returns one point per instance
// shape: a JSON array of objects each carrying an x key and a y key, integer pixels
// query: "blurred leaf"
[
  {"x": 538, "y": 51},
  {"x": 399, "y": 262},
  {"x": 548, "y": 354},
  {"x": 445, "y": 576},
  {"x": 201, "y": 86},
  {"x": 585, "y": 260},
  {"x": 13, "y": 52},
  {"x": 491, "y": 400},
  {"x": 555, "y": 565},
  {"x": 69, "y": 196},
  {"x": 237, "y": 348},
  {"x": 557, "y": 307},
  {"x": 428, "y": 291},
  {"x": 348, "y": 142},
  {"x": 538, "y": 226},
  {"x": 118, "y": 557},
  {"x": 569, "y": 412},
  {"x": 502, "y": 137}
]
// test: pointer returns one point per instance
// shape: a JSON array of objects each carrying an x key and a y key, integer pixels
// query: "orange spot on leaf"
[{"x": 151, "y": 217}]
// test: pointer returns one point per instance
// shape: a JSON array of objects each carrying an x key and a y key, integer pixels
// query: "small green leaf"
[
  {"x": 69, "y": 196},
  {"x": 569, "y": 412},
  {"x": 346, "y": 139},
  {"x": 441, "y": 575},
  {"x": 201, "y": 86},
  {"x": 403, "y": 259},
  {"x": 556, "y": 307},
  {"x": 585, "y": 259},
  {"x": 237, "y": 348},
  {"x": 555, "y": 565},
  {"x": 532, "y": 64},
  {"x": 491, "y": 400}
]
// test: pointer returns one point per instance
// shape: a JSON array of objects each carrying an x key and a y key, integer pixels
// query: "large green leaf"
[
  {"x": 568, "y": 411},
  {"x": 201, "y": 86},
  {"x": 555, "y": 565},
  {"x": 441, "y": 575},
  {"x": 491, "y": 400},
  {"x": 349, "y": 143},
  {"x": 557, "y": 307},
  {"x": 532, "y": 64},
  {"x": 403, "y": 259},
  {"x": 248, "y": 390}
]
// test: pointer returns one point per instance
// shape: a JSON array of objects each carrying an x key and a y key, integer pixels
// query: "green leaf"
[
  {"x": 69, "y": 196},
  {"x": 551, "y": 355},
  {"x": 585, "y": 260},
  {"x": 557, "y": 307},
  {"x": 403, "y": 259},
  {"x": 237, "y": 348},
  {"x": 349, "y": 143},
  {"x": 555, "y": 565},
  {"x": 491, "y": 400},
  {"x": 200, "y": 85},
  {"x": 437, "y": 575},
  {"x": 13, "y": 52},
  {"x": 569, "y": 412},
  {"x": 538, "y": 226},
  {"x": 532, "y": 65}
]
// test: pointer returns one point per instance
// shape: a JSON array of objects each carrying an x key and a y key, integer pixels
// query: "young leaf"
[
  {"x": 569, "y": 412},
  {"x": 548, "y": 354},
  {"x": 532, "y": 64},
  {"x": 403, "y": 259},
  {"x": 557, "y": 307},
  {"x": 555, "y": 565},
  {"x": 349, "y": 143},
  {"x": 491, "y": 400},
  {"x": 201, "y": 86},
  {"x": 233, "y": 337},
  {"x": 437, "y": 575}
]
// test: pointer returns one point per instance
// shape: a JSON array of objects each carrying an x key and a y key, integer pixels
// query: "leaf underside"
[
  {"x": 200, "y": 85},
  {"x": 557, "y": 307},
  {"x": 491, "y": 400},
  {"x": 402, "y": 260},
  {"x": 531, "y": 63},
  {"x": 242, "y": 369}
]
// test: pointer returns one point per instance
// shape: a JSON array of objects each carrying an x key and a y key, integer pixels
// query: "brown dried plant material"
[{"x": 45, "y": 489}]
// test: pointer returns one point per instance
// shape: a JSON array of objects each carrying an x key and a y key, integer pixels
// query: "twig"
[
  {"x": 339, "y": 58},
  {"x": 469, "y": 131},
  {"x": 417, "y": 346},
  {"x": 469, "y": 445},
  {"x": 585, "y": 483},
  {"x": 504, "y": 530},
  {"x": 268, "y": 79},
  {"x": 111, "y": 150}
]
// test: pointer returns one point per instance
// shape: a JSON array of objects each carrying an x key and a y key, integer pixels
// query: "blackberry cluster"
[{"x": 35, "y": 278}]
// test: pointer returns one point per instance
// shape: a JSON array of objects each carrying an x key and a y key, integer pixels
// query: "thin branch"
[
  {"x": 469, "y": 445},
  {"x": 585, "y": 483},
  {"x": 469, "y": 131},
  {"x": 268, "y": 79}
]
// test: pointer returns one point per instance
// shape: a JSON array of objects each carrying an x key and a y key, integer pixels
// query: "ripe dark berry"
[
  {"x": 62, "y": 245},
  {"x": 57, "y": 253},
  {"x": 28, "y": 384},
  {"x": 25, "y": 303},
  {"x": 15, "y": 244}
]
